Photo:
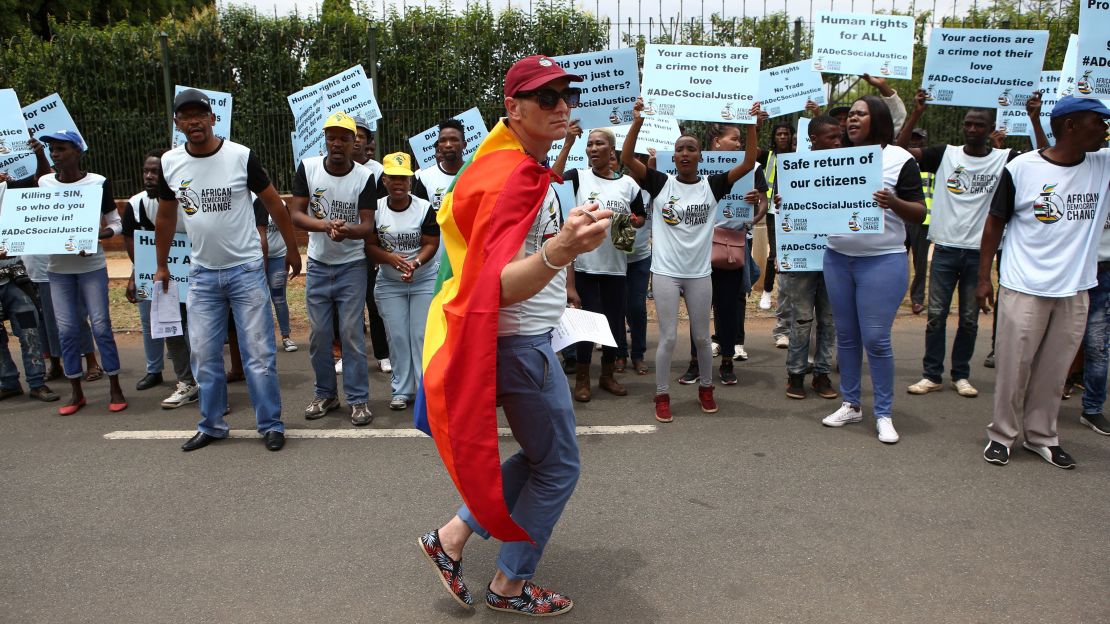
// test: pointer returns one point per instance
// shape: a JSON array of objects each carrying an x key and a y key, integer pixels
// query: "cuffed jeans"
[
  {"x": 635, "y": 343},
  {"x": 809, "y": 304},
  {"x": 952, "y": 269},
  {"x": 154, "y": 348},
  {"x": 20, "y": 310},
  {"x": 276, "y": 278},
  {"x": 605, "y": 295},
  {"x": 91, "y": 288},
  {"x": 539, "y": 479},
  {"x": 243, "y": 289},
  {"x": 339, "y": 291},
  {"x": 1096, "y": 345},
  {"x": 404, "y": 308},
  {"x": 51, "y": 344}
]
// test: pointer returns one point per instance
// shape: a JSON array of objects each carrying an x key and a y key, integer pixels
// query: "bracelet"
[
  {"x": 416, "y": 263},
  {"x": 553, "y": 267}
]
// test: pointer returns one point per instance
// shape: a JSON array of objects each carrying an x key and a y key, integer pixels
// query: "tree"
[{"x": 16, "y": 15}]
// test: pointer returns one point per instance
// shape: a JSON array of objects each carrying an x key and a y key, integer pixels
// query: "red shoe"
[
  {"x": 663, "y": 408},
  {"x": 705, "y": 397},
  {"x": 69, "y": 410},
  {"x": 117, "y": 407}
]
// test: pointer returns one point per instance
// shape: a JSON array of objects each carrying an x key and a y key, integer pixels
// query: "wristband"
[{"x": 553, "y": 267}]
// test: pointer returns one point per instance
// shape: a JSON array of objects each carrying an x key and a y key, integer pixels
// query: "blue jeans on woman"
[
  {"x": 51, "y": 343},
  {"x": 1096, "y": 344},
  {"x": 91, "y": 289},
  {"x": 636, "y": 285},
  {"x": 865, "y": 292},
  {"x": 276, "y": 277},
  {"x": 404, "y": 308},
  {"x": 337, "y": 291}
]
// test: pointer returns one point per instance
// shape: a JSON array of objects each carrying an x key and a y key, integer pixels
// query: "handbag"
[
  {"x": 622, "y": 233},
  {"x": 728, "y": 249}
]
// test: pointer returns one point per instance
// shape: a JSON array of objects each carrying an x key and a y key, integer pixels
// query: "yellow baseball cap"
[
  {"x": 339, "y": 119},
  {"x": 397, "y": 164}
]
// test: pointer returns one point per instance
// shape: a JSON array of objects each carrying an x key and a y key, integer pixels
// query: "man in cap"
[
  {"x": 333, "y": 200},
  {"x": 503, "y": 302},
  {"x": 211, "y": 180},
  {"x": 1052, "y": 204}
]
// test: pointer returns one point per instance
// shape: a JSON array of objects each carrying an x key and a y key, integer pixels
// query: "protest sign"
[
  {"x": 308, "y": 132},
  {"x": 612, "y": 82},
  {"x": 349, "y": 91},
  {"x": 800, "y": 252},
  {"x": 787, "y": 88},
  {"x": 704, "y": 83},
  {"x": 13, "y": 128},
  {"x": 975, "y": 67},
  {"x": 43, "y": 117},
  {"x": 424, "y": 144},
  {"x": 576, "y": 159},
  {"x": 830, "y": 191},
  {"x": 804, "y": 144},
  {"x": 731, "y": 206},
  {"x": 53, "y": 220},
  {"x": 863, "y": 43},
  {"x": 657, "y": 134},
  {"x": 1015, "y": 121},
  {"x": 221, "y": 107},
  {"x": 1092, "y": 68},
  {"x": 146, "y": 263}
]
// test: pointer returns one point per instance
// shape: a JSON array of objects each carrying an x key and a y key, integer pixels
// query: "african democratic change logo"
[
  {"x": 1046, "y": 208},
  {"x": 670, "y": 212},
  {"x": 187, "y": 197},
  {"x": 958, "y": 182},
  {"x": 319, "y": 204}
]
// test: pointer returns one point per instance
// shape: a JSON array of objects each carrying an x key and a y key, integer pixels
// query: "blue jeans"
[
  {"x": 809, "y": 306},
  {"x": 21, "y": 312},
  {"x": 865, "y": 293},
  {"x": 539, "y": 479},
  {"x": 154, "y": 348},
  {"x": 243, "y": 289},
  {"x": 1096, "y": 345},
  {"x": 277, "y": 276},
  {"x": 635, "y": 310},
  {"x": 52, "y": 345},
  {"x": 404, "y": 308},
  {"x": 337, "y": 290},
  {"x": 91, "y": 288},
  {"x": 952, "y": 268}
]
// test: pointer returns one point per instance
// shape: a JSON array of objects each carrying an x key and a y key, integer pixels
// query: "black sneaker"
[
  {"x": 796, "y": 386},
  {"x": 728, "y": 377},
  {"x": 1051, "y": 454},
  {"x": 988, "y": 362},
  {"x": 691, "y": 376},
  {"x": 1097, "y": 422},
  {"x": 996, "y": 453}
]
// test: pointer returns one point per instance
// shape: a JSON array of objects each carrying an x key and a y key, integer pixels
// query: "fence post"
[
  {"x": 797, "y": 39},
  {"x": 374, "y": 77},
  {"x": 164, "y": 44}
]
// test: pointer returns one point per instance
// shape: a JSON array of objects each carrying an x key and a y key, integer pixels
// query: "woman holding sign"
[
  {"x": 867, "y": 274},
  {"x": 683, "y": 210}
]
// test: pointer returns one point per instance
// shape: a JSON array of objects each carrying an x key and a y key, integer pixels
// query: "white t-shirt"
[
  {"x": 215, "y": 190},
  {"x": 961, "y": 204},
  {"x": 540, "y": 313},
  {"x": 74, "y": 263},
  {"x": 1055, "y": 215},
  {"x": 622, "y": 196},
  {"x": 334, "y": 197},
  {"x": 901, "y": 174},
  {"x": 436, "y": 181},
  {"x": 682, "y": 217},
  {"x": 400, "y": 232}
]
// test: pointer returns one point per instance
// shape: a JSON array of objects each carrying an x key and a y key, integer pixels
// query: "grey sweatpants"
[{"x": 699, "y": 297}]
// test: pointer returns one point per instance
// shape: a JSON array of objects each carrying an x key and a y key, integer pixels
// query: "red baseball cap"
[{"x": 534, "y": 71}]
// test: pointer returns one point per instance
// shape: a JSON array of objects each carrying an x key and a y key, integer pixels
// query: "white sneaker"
[
  {"x": 384, "y": 365},
  {"x": 885, "y": 427},
  {"x": 765, "y": 301},
  {"x": 843, "y": 416},
  {"x": 782, "y": 342},
  {"x": 183, "y": 395},
  {"x": 740, "y": 354},
  {"x": 288, "y": 345},
  {"x": 339, "y": 366},
  {"x": 964, "y": 388},
  {"x": 925, "y": 387},
  {"x": 716, "y": 349}
]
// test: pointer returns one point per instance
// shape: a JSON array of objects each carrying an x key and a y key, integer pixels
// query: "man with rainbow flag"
[{"x": 501, "y": 290}]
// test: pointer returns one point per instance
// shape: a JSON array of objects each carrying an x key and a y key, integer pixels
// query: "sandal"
[
  {"x": 620, "y": 365},
  {"x": 94, "y": 374},
  {"x": 640, "y": 366}
]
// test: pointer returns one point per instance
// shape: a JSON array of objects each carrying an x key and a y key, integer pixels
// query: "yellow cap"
[
  {"x": 339, "y": 119},
  {"x": 397, "y": 164}
]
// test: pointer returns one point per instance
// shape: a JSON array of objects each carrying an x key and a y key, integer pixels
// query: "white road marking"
[{"x": 317, "y": 434}]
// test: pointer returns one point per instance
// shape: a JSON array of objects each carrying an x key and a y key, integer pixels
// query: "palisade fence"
[{"x": 427, "y": 63}]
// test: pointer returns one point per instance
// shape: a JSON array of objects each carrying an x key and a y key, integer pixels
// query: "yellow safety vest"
[
  {"x": 769, "y": 174},
  {"x": 928, "y": 180}
]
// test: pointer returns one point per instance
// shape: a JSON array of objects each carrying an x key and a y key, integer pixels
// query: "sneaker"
[
  {"x": 448, "y": 570},
  {"x": 360, "y": 415},
  {"x": 46, "y": 395},
  {"x": 385, "y": 366},
  {"x": 765, "y": 301},
  {"x": 846, "y": 414},
  {"x": 925, "y": 387},
  {"x": 288, "y": 345},
  {"x": 782, "y": 342},
  {"x": 319, "y": 407},
  {"x": 822, "y": 385},
  {"x": 184, "y": 394},
  {"x": 705, "y": 397},
  {"x": 885, "y": 427},
  {"x": 795, "y": 386},
  {"x": 398, "y": 403},
  {"x": 1051, "y": 454},
  {"x": 728, "y": 376},
  {"x": 740, "y": 354},
  {"x": 533, "y": 600},
  {"x": 716, "y": 349},
  {"x": 996, "y": 453},
  {"x": 339, "y": 366},
  {"x": 989, "y": 360},
  {"x": 663, "y": 408},
  {"x": 1097, "y": 422},
  {"x": 964, "y": 388},
  {"x": 691, "y": 376}
]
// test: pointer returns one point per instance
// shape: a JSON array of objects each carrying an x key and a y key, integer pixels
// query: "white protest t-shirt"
[
  {"x": 400, "y": 232},
  {"x": 620, "y": 196},
  {"x": 962, "y": 200},
  {"x": 334, "y": 197},
  {"x": 1055, "y": 218},
  {"x": 902, "y": 175},
  {"x": 215, "y": 190},
  {"x": 436, "y": 181},
  {"x": 540, "y": 313},
  {"x": 75, "y": 263},
  {"x": 682, "y": 216},
  {"x": 144, "y": 214}
]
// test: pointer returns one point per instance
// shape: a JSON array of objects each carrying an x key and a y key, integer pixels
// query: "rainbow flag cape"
[{"x": 483, "y": 220}]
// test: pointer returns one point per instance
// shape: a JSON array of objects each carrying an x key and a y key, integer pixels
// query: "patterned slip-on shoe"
[
  {"x": 533, "y": 600},
  {"x": 448, "y": 570}
]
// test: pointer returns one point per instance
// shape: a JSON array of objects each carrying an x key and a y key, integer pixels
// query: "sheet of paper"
[
  {"x": 165, "y": 313},
  {"x": 581, "y": 326}
]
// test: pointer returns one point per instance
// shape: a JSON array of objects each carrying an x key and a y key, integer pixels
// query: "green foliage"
[{"x": 35, "y": 15}]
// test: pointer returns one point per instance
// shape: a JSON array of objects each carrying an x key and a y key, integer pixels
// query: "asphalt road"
[{"x": 754, "y": 514}]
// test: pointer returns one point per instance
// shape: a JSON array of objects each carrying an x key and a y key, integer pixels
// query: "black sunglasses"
[{"x": 549, "y": 98}]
